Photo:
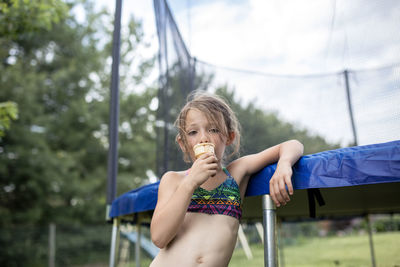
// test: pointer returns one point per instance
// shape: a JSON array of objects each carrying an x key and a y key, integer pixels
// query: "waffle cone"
[{"x": 202, "y": 148}]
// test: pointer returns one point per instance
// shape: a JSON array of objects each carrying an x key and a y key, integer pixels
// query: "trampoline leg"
[
  {"x": 138, "y": 242},
  {"x": 269, "y": 224},
  {"x": 281, "y": 258},
  {"x": 371, "y": 242},
  {"x": 244, "y": 243},
  {"x": 260, "y": 231},
  {"x": 114, "y": 242}
]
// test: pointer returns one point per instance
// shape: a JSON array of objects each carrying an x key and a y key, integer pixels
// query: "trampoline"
[{"x": 352, "y": 181}]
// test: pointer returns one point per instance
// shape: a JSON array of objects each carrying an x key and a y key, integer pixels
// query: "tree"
[
  {"x": 53, "y": 165},
  {"x": 8, "y": 112},
  {"x": 15, "y": 25},
  {"x": 53, "y": 160},
  {"x": 262, "y": 129}
]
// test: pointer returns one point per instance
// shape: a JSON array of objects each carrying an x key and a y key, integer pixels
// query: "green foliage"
[
  {"x": 25, "y": 246},
  {"x": 24, "y": 16},
  {"x": 53, "y": 164},
  {"x": 21, "y": 20},
  {"x": 53, "y": 161},
  {"x": 44, "y": 161},
  {"x": 137, "y": 150},
  {"x": 74, "y": 245},
  {"x": 8, "y": 112},
  {"x": 261, "y": 129},
  {"x": 384, "y": 223},
  {"x": 77, "y": 245}
]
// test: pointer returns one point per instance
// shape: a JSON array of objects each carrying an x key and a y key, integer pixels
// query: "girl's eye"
[
  {"x": 214, "y": 130},
  {"x": 192, "y": 132}
]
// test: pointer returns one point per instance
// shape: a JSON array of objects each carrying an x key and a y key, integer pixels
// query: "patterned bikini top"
[{"x": 225, "y": 199}]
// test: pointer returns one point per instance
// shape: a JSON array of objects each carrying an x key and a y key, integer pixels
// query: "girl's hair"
[{"x": 217, "y": 112}]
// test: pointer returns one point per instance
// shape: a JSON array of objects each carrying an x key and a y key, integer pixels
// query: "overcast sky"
[{"x": 308, "y": 37}]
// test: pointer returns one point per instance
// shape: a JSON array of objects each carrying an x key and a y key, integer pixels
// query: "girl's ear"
[
  {"x": 181, "y": 144},
  {"x": 231, "y": 138}
]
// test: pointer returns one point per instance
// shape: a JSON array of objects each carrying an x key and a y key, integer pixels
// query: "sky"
[{"x": 317, "y": 39}]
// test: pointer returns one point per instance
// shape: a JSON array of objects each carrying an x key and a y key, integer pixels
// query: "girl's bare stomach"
[{"x": 203, "y": 240}]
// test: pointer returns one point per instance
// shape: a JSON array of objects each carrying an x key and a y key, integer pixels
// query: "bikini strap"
[{"x": 226, "y": 171}]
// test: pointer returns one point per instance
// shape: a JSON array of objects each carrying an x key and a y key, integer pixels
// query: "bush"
[
  {"x": 387, "y": 223},
  {"x": 75, "y": 245}
]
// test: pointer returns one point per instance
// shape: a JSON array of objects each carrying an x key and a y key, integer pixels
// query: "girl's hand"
[
  {"x": 203, "y": 168},
  {"x": 281, "y": 183}
]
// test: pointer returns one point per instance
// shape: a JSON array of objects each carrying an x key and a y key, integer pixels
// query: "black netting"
[
  {"x": 376, "y": 101},
  {"x": 175, "y": 81},
  {"x": 317, "y": 103}
]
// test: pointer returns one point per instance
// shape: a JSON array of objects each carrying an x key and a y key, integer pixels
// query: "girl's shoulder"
[
  {"x": 172, "y": 178},
  {"x": 250, "y": 164},
  {"x": 239, "y": 164},
  {"x": 237, "y": 169}
]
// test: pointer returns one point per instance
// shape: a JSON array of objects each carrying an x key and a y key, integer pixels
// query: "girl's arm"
[
  {"x": 286, "y": 154},
  {"x": 289, "y": 154},
  {"x": 174, "y": 196},
  {"x": 173, "y": 199}
]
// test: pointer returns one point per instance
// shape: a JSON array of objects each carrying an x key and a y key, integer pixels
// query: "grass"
[
  {"x": 331, "y": 251},
  {"x": 344, "y": 251}
]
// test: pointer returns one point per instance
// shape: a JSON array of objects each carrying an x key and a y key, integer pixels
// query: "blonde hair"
[{"x": 217, "y": 112}]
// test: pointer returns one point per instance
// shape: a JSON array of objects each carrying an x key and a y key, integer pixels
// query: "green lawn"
[
  {"x": 345, "y": 251},
  {"x": 331, "y": 251}
]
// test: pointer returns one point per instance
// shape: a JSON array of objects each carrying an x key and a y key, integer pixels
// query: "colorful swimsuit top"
[{"x": 225, "y": 199}]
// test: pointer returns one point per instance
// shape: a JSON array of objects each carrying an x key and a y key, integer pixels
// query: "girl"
[{"x": 196, "y": 219}]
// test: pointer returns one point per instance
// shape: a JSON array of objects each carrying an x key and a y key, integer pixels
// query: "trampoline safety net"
[{"x": 372, "y": 94}]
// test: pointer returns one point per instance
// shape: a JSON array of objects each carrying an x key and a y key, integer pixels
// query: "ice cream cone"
[{"x": 202, "y": 148}]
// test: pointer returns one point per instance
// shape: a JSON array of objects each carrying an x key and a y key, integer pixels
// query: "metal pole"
[
  {"x": 138, "y": 242},
  {"x": 166, "y": 90},
  {"x": 161, "y": 35},
  {"x": 281, "y": 260},
  {"x": 114, "y": 109},
  {"x": 353, "y": 126},
  {"x": 114, "y": 242},
  {"x": 244, "y": 243},
  {"x": 260, "y": 231},
  {"x": 371, "y": 242},
  {"x": 52, "y": 244},
  {"x": 269, "y": 224}
]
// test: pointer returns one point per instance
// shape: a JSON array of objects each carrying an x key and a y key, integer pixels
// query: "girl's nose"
[{"x": 204, "y": 138}]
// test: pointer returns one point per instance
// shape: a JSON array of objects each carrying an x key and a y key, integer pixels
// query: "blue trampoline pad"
[{"x": 352, "y": 181}]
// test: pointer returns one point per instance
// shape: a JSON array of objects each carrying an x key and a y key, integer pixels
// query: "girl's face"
[{"x": 200, "y": 130}]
